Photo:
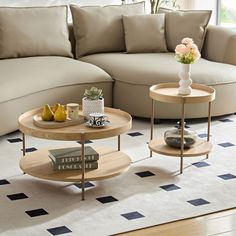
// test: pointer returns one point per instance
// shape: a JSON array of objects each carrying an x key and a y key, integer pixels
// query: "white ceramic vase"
[
  {"x": 92, "y": 106},
  {"x": 185, "y": 80}
]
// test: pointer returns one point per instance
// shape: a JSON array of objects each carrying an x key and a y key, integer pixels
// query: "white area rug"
[{"x": 150, "y": 193}]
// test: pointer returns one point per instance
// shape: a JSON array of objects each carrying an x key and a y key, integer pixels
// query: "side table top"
[
  {"x": 120, "y": 122},
  {"x": 168, "y": 92}
]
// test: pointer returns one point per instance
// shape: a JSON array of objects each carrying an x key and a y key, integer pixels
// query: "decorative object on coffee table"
[
  {"x": 97, "y": 120},
  {"x": 93, "y": 101},
  {"x": 186, "y": 53},
  {"x": 111, "y": 163},
  {"x": 45, "y": 118},
  {"x": 60, "y": 114},
  {"x": 168, "y": 93},
  {"x": 173, "y": 137},
  {"x": 73, "y": 111}
]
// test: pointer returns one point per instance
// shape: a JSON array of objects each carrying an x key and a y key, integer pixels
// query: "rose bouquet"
[{"x": 187, "y": 52}]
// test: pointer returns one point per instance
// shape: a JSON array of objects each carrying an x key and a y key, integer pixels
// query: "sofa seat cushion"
[
  {"x": 153, "y": 68},
  {"x": 24, "y": 76}
]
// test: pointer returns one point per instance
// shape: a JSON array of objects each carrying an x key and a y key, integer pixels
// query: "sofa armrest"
[{"x": 220, "y": 45}]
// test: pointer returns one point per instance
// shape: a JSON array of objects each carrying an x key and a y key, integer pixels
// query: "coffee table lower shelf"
[
  {"x": 201, "y": 147},
  {"x": 111, "y": 163}
]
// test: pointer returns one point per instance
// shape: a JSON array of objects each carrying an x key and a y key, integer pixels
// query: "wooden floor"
[{"x": 221, "y": 223}]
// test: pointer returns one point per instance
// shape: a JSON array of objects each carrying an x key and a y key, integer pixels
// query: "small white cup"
[
  {"x": 72, "y": 111},
  {"x": 97, "y": 119}
]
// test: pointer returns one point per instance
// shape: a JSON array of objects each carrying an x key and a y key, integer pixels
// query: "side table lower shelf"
[
  {"x": 201, "y": 147},
  {"x": 111, "y": 163}
]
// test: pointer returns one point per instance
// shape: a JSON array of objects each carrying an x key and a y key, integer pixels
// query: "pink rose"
[
  {"x": 187, "y": 41},
  {"x": 196, "y": 54},
  {"x": 192, "y": 46},
  {"x": 181, "y": 49}
]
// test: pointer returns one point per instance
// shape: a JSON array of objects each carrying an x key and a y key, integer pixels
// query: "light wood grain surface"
[
  {"x": 220, "y": 224},
  {"x": 168, "y": 92},
  {"x": 120, "y": 122},
  {"x": 201, "y": 147},
  {"x": 111, "y": 163}
]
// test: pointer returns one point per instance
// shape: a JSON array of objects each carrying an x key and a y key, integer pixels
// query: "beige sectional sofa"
[{"x": 31, "y": 80}]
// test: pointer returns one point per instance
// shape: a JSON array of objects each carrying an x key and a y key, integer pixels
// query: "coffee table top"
[
  {"x": 168, "y": 92},
  {"x": 120, "y": 122}
]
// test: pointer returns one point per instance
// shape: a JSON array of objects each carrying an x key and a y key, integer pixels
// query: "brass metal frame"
[
  {"x": 152, "y": 124},
  {"x": 209, "y": 126},
  {"x": 23, "y": 144},
  {"x": 182, "y": 137},
  {"x": 83, "y": 165},
  {"x": 118, "y": 143}
]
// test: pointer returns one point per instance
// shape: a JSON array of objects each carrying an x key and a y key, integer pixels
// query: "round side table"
[
  {"x": 168, "y": 93},
  {"x": 111, "y": 162}
]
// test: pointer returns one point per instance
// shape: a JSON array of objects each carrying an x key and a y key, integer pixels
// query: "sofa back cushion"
[
  {"x": 34, "y": 31},
  {"x": 100, "y": 29},
  {"x": 145, "y": 33},
  {"x": 182, "y": 24}
]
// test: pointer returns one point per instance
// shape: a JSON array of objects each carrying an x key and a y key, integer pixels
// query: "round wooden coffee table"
[{"x": 111, "y": 162}]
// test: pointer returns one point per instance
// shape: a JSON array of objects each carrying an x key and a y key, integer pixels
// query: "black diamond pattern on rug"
[
  {"x": 14, "y": 140},
  {"x": 200, "y": 164},
  {"x": 132, "y": 215},
  {"x": 4, "y": 181},
  {"x": 144, "y": 174},
  {"x": 106, "y": 199},
  {"x": 203, "y": 135},
  {"x": 135, "y": 134},
  {"x": 59, "y": 230},
  {"x": 86, "y": 141},
  {"x": 198, "y": 202},
  {"x": 36, "y": 212},
  {"x": 17, "y": 196},
  {"x": 227, "y": 176},
  {"x": 32, "y": 149},
  {"x": 170, "y": 187},
  {"x": 86, "y": 185},
  {"x": 226, "y": 120},
  {"x": 225, "y": 145}
]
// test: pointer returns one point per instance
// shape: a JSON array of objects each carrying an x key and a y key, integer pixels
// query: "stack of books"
[{"x": 71, "y": 159}]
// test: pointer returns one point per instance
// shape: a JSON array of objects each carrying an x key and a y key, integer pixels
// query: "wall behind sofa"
[
  {"x": 56, "y": 2},
  {"x": 29, "y": 3}
]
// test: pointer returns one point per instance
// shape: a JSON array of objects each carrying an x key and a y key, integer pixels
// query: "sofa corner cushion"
[
  {"x": 100, "y": 29},
  {"x": 35, "y": 74},
  {"x": 34, "y": 31},
  {"x": 182, "y": 24}
]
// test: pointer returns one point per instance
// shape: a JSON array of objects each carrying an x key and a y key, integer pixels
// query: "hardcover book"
[
  {"x": 72, "y": 155},
  {"x": 75, "y": 166}
]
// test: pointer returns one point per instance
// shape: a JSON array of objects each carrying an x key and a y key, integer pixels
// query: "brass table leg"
[
  {"x": 23, "y": 144},
  {"x": 83, "y": 166},
  {"x": 182, "y": 137},
  {"x": 152, "y": 124},
  {"x": 209, "y": 125},
  {"x": 118, "y": 142}
]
